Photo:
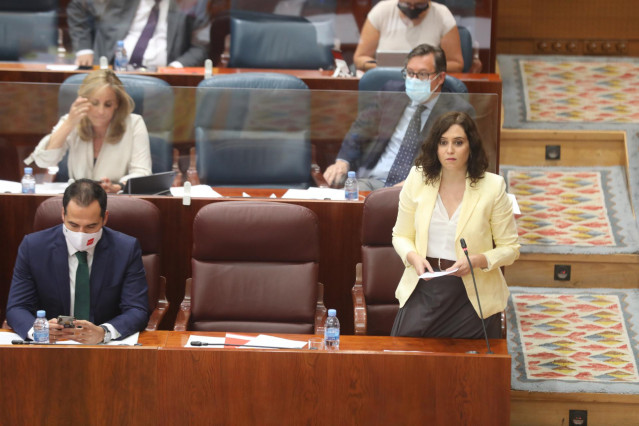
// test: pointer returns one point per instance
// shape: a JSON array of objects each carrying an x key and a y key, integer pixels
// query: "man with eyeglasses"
[{"x": 382, "y": 142}]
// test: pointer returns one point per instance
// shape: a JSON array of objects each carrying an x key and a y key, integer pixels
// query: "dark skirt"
[{"x": 440, "y": 308}]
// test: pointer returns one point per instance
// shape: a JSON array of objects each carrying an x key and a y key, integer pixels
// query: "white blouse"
[
  {"x": 130, "y": 157},
  {"x": 441, "y": 232}
]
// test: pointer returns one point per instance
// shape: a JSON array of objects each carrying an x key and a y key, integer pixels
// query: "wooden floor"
[{"x": 578, "y": 148}]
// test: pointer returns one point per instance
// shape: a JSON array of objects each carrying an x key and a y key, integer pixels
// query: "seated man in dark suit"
[
  {"x": 382, "y": 143},
  {"x": 81, "y": 269},
  {"x": 155, "y": 32}
]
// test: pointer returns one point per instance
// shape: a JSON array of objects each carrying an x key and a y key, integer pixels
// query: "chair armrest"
[
  {"x": 184, "y": 314},
  {"x": 318, "y": 177},
  {"x": 191, "y": 172},
  {"x": 359, "y": 302},
  {"x": 161, "y": 307},
  {"x": 5, "y": 325},
  {"x": 320, "y": 310}
]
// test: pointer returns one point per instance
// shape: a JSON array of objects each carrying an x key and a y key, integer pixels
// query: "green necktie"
[{"x": 82, "y": 288}]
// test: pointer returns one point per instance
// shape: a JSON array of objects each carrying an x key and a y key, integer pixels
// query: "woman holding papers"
[
  {"x": 449, "y": 196},
  {"x": 105, "y": 141}
]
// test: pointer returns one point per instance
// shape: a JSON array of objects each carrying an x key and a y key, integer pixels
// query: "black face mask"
[{"x": 412, "y": 13}]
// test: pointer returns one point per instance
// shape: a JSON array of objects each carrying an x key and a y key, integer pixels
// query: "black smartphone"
[{"x": 66, "y": 321}]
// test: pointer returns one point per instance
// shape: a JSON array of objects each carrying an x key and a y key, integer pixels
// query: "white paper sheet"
[
  {"x": 214, "y": 342},
  {"x": 51, "y": 188},
  {"x": 10, "y": 187},
  {"x": 315, "y": 194},
  {"x": 277, "y": 342},
  {"x": 438, "y": 274},
  {"x": 513, "y": 200},
  {"x": 6, "y": 337},
  {"x": 197, "y": 191}
]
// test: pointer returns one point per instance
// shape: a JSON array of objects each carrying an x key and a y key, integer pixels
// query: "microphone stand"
[{"x": 472, "y": 273}]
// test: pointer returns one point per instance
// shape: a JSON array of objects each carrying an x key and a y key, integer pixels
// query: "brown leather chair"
[
  {"x": 135, "y": 217},
  {"x": 381, "y": 269},
  {"x": 254, "y": 269}
]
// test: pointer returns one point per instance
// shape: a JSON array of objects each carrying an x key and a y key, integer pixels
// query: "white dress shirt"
[{"x": 385, "y": 162}]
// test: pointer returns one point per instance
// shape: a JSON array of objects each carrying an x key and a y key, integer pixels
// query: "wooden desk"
[
  {"x": 80, "y": 384},
  {"x": 314, "y": 79},
  {"x": 359, "y": 385},
  {"x": 163, "y": 383},
  {"x": 339, "y": 226}
]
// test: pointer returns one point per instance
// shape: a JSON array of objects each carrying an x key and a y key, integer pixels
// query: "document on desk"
[
  {"x": 10, "y": 187},
  {"x": 275, "y": 342},
  {"x": 6, "y": 337},
  {"x": 129, "y": 341},
  {"x": 315, "y": 194},
  {"x": 197, "y": 191},
  {"x": 437, "y": 274}
]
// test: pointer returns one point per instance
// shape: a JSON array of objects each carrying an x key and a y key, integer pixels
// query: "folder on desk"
[{"x": 156, "y": 184}]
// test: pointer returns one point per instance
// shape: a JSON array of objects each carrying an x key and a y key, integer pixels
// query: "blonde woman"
[{"x": 106, "y": 142}]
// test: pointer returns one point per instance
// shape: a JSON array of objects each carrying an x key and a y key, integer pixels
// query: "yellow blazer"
[{"x": 486, "y": 216}]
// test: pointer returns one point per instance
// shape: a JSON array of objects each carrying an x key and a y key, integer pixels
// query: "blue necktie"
[
  {"x": 405, "y": 157},
  {"x": 147, "y": 33},
  {"x": 81, "y": 307}
]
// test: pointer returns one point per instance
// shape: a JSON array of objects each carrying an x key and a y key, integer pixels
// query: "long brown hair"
[
  {"x": 95, "y": 81},
  {"x": 427, "y": 159}
]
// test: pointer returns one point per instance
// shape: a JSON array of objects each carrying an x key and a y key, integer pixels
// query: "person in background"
[
  {"x": 81, "y": 269},
  {"x": 105, "y": 140},
  {"x": 448, "y": 195},
  {"x": 394, "y": 25},
  {"x": 155, "y": 32},
  {"x": 382, "y": 143}
]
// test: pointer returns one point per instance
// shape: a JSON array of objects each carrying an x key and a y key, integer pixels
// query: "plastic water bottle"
[
  {"x": 41, "y": 328},
  {"x": 331, "y": 331},
  {"x": 28, "y": 181},
  {"x": 351, "y": 188},
  {"x": 121, "y": 61}
]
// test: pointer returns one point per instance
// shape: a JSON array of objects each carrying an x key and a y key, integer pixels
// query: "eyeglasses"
[
  {"x": 422, "y": 75},
  {"x": 420, "y": 5}
]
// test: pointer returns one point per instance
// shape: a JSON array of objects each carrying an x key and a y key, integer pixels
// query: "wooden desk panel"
[
  {"x": 339, "y": 227},
  {"x": 360, "y": 384},
  {"x": 80, "y": 384}
]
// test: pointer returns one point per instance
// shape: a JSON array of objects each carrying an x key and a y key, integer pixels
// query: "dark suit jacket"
[
  {"x": 372, "y": 130},
  {"x": 99, "y": 25},
  {"x": 41, "y": 281}
]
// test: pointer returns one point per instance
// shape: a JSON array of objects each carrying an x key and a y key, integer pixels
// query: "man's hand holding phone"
[{"x": 61, "y": 328}]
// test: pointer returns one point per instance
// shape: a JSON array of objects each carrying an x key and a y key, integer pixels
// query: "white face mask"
[
  {"x": 418, "y": 90},
  {"x": 81, "y": 241}
]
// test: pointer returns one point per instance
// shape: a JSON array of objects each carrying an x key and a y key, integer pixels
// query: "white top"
[
  {"x": 117, "y": 161},
  {"x": 441, "y": 232},
  {"x": 398, "y": 33}
]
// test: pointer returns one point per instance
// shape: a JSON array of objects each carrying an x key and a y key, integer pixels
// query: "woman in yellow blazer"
[{"x": 448, "y": 196}]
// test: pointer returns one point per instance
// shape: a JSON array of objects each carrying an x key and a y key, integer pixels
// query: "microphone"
[
  {"x": 198, "y": 343},
  {"x": 472, "y": 273}
]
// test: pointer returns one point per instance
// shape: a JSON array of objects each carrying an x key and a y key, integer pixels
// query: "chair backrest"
[
  {"x": 154, "y": 101},
  {"x": 381, "y": 266},
  {"x": 132, "y": 216},
  {"x": 27, "y": 29},
  {"x": 269, "y": 41},
  {"x": 466, "y": 40},
  {"x": 374, "y": 79},
  {"x": 249, "y": 131},
  {"x": 254, "y": 267}
]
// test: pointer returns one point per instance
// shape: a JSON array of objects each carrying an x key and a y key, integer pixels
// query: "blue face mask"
[{"x": 418, "y": 90}]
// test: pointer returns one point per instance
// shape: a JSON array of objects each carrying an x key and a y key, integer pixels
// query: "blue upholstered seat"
[
  {"x": 27, "y": 28},
  {"x": 252, "y": 129}
]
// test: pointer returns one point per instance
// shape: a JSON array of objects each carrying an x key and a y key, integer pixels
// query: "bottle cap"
[
  {"x": 120, "y": 43},
  {"x": 42, "y": 314},
  {"x": 28, "y": 170},
  {"x": 351, "y": 174},
  {"x": 332, "y": 312}
]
